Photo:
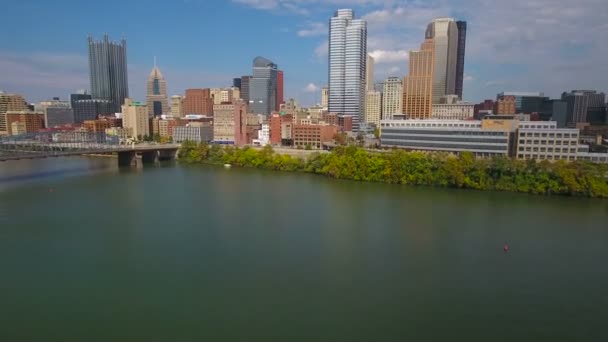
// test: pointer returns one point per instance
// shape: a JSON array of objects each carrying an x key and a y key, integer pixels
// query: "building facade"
[
  {"x": 313, "y": 136},
  {"x": 460, "y": 53},
  {"x": 579, "y": 102},
  {"x": 177, "y": 106},
  {"x": 448, "y": 136},
  {"x": 10, "y": 102},
  {"x": 108, "y": 71},
  {"x": 30, "y": 122},
  {"x": 505, "y": 105},
  {"x": 263, "y": 86},
  {"x": 229, "y": 122},
  {"x": 444, "y": 34},
  {"x": 196, "y": 132},
  {"x": 245, "y": 84},
  {"x": 56, "y": 112},
  {"x": 347, "y": 60},
  {"x": 91, "y": 109},
  {"x": 135, "y": 117},
  {"x": 392, "y": 98},
  {"x": 156, "y": 98},
  {"x": 418, "y": 85},
  {"x": 540, "y": 140},
  {"x": 373, "y": 107},
  {"x": 453, "y": 111},
  {"x": 369, "y": 74},
  {"x": 198, "y": 102},
  {"x": 280, "y": 89}
]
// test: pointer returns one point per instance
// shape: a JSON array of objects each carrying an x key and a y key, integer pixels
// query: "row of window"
[
  {"x": 446, "y": 139},
  {"x": 431, "y": 145},
  {"x": 548, "y": 142},
  {"x": 548, "y": 135},
  {"x": 547, "y": 149},
  {"x": 545, "y": 157},
  {"x": 443, "y": 133}
]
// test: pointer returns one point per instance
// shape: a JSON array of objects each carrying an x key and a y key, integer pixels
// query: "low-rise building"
[
  {"x": 447, "y": 135},
  {"x": 263, "y": 136},
  {"x": 313, "y": 136},
  {"x": 33, "y": 121},
  {"x": 196, "y": 132},
  {"x": 120, "y": 132},
  {"x": 542, "y": 140}
]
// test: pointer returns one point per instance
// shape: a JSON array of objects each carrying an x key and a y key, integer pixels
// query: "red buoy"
[{"x": 505, "y": 248}]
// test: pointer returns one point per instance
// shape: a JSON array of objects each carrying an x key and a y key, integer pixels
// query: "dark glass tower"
[
  {"x": 263, "y": 86},
  {"x": 462, "y": 40},
  {"x": 108, "y": 71}
]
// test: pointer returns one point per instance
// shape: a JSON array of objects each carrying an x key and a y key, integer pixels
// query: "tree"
[
  {"x": 377, "y": 133},
  {"x": 340, "y": 138}
]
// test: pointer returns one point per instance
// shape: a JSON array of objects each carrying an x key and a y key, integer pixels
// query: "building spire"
[{"x": 155, "y": 61}]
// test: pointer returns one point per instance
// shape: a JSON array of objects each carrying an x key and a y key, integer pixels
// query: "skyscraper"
[
  {"x": 263, "y": 87},
  {"x": 418, "y": 85},
  {"x": 578, "y": 104},
  {"x": 157, "y": 93},
  {"x": 392, "y": 98},
  {"x": 236, "y": 82},
  {"x": 444, "y": 33},
  {"x": 369, "y": 74},
  {"x": 245, "y": 88},
  {"x": 280, "y": 89},
  {"x": 462, "y": 43},
  {"x": 347, "y": 65},
  {"x": 108, "y": 71}
]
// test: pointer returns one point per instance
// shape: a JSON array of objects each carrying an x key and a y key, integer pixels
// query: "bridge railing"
[{"x": 58, "y": 142}]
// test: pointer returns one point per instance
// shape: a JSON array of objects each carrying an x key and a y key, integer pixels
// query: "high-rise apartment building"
[
  {"x": 263, "y": 87},
  {"x": 373, "y": 107},
  {"x": 369, "y": 74},
  {"x": 280, "y": 89},
  {"x": 392, "y": 98},
  {"x": 198, "y": 101},
  {"x": 347, "y": 65},
  {"x": 10, "y": 102},
  {"x": 177, "y": 106},
  {"x": 135, "y": 117},
  {"x": 324, "y": 97},
  {"x": 418, "y": 85},
  {"x": 157, "y": 93},
  {"x": 444, "y": 34},
  {"x": 460, "y": 52},
  {"x": 108, "y": 71}
]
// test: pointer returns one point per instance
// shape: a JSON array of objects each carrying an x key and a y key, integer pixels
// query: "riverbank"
[{"x": 418, "y": 168}]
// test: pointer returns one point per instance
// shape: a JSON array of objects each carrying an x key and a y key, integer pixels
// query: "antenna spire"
[{"x": 155, "y": 61}]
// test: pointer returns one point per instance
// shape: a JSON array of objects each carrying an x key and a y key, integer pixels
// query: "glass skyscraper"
[
  {"x": 462, "y": 43},
  {"x": 108, "y": 71},
  {"x": 347, "y": 65},
  {"x": 263, "y": 86}
]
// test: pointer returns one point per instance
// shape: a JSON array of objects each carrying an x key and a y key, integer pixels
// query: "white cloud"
[
  {"x": 468, "y": 78},
  {"x": 389, "y": 56},
  {"x": 311, "y": 88},
  {"x": 313, "y": 29}
]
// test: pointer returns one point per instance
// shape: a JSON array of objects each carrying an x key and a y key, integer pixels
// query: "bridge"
[{"x": 74, "y": 143}]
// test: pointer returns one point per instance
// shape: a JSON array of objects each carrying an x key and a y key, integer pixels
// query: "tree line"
[{"x": 419, "y": 168}]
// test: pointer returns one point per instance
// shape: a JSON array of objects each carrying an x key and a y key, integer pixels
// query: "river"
[{"x": 90, "y": 252}]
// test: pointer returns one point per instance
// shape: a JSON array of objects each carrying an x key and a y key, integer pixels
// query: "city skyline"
[{"x": 40, "y": 67}]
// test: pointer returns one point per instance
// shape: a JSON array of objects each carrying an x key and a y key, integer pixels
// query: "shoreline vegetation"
[{"x": 437, "y": 169}]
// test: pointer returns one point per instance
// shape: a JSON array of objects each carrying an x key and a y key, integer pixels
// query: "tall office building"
[
  {"x": 373, "y": 107},
  {"x": 198, "y": 101},
  {"x": 108, "y": 71},
  {"x": 280, "y": 89},
  {"x": 135, "y": 118},
  {"x": 236, "y": 82},
  {"x": 418, "y": 85},
  {"x": 462, "y": 43},
  {"x": 525, "y": 102},
  {"x": 369, "y": 74},
  {"x": 392, "y": 98},
  {"x": 90, "y": 109},
  {"x": 245, "y": 88},
  {"x": 263, "y": 87},
  {"x": 347, "y": 65},
  {"x": 579, "y": 102},
  {"x": 77, "y": 97},
  {"x": 10, "y": 102},
  {"x": 444, "y": 33},
  {"x": 56, "y": 112},
  {"x": 157, "y": 93},
  {"x": 324, "y": 97}
]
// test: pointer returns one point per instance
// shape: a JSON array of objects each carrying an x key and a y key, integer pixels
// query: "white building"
[
  {"x": 456, "y": 111},
  {"x": 373, "y": 107},
  {"x": 392, "y": 98},
  {"x": 542, "y": 140},
  {"x": 135, "y": 117},
  {"x": 347, "y": 65},
  {"x": 263, "y": 136}
]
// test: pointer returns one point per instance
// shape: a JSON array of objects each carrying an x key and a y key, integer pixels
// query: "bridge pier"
[
  {"x": 149, "y": 157},
  {"x": 167, "y": 154},
  {"x": 127, "y": 159}
]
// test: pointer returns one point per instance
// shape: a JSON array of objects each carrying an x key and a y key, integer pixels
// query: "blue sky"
[{"x": 532, "y": 45}]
